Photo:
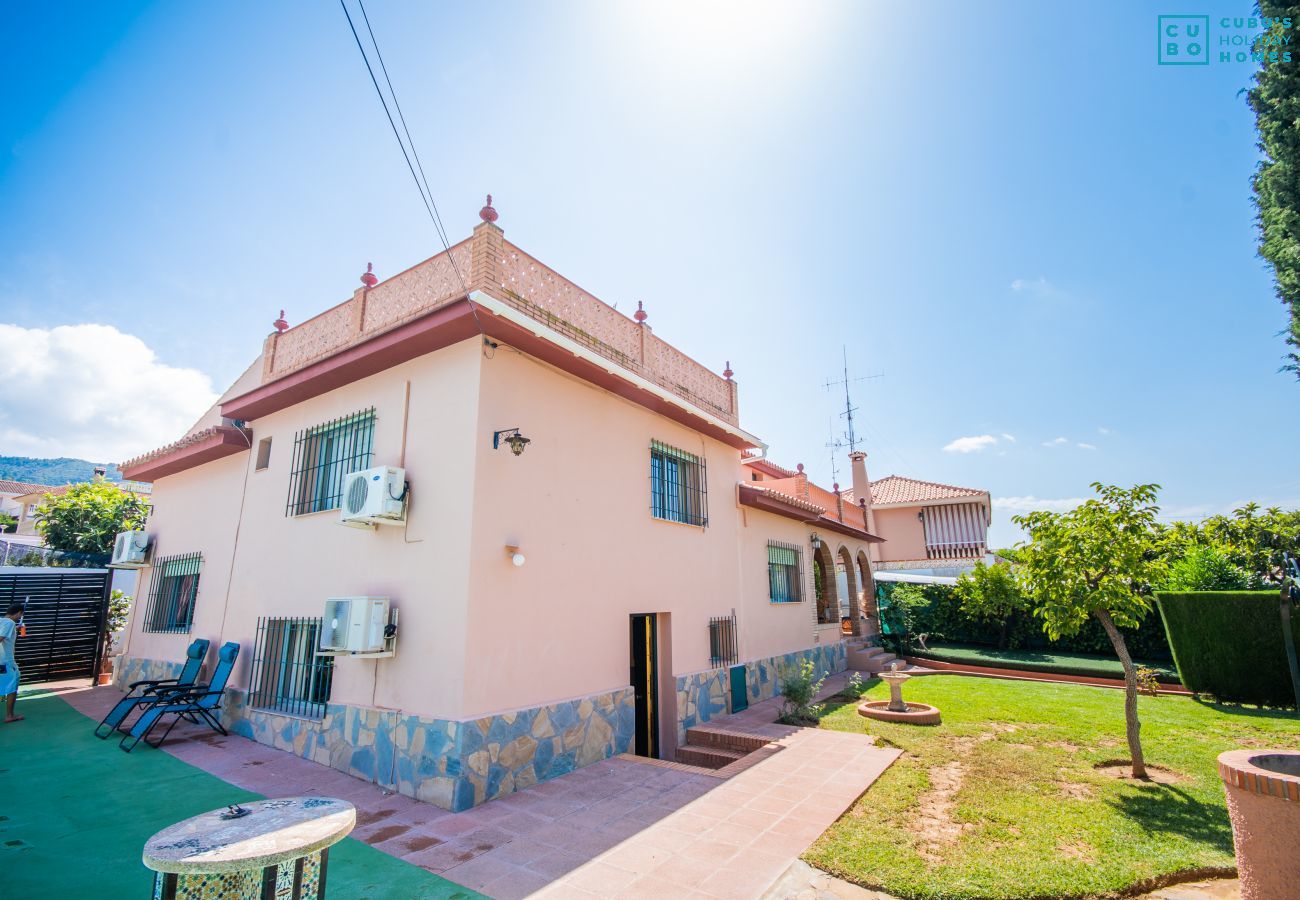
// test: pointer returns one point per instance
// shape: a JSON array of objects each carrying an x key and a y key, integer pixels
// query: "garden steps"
[
  {"x": 871, "y": 660},
  {"x": 708, "y": 757}
]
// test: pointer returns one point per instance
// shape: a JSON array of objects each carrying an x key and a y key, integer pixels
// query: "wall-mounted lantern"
[
  {"x": 512, "y": 437},
  {"x": 816, "y": 542},
  {"x": 517, "y": 559}
]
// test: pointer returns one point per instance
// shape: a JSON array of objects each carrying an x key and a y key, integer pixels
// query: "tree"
[
  {"x": 990, "y": 593},
  {"x": 1096, "y": 560},
  {"x": 1275, "y": 99},
  {"x": 89, "y": 516}
]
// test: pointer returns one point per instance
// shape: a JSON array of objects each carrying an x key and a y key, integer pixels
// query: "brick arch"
[
  {"x": 870, "y": 604},
  {"x": 827, "y": 606},
  {"x": 845, "y": 558}
]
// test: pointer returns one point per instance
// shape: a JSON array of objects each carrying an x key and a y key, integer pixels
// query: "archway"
[
  {"x": 828, "y": 606},
  {"x": 869, "y": 603},
  {"x": 844, "y": 564}
]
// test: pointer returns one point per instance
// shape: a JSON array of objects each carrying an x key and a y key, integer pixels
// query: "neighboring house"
[
  {"x": 12, "y": 494},
  {"x": 929, "y": 528},
  {"x": 599, "y": 592}
]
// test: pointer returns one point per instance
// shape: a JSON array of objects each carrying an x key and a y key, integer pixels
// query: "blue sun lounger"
[
  {"x": 199, "y": 704},
  {"x": 145, "y": 691}
]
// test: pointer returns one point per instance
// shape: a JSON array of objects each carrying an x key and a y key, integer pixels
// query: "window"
[
  {"x": 322, "y": 456},
  {"x": 289, "y": 675},
  {"x": 784, "y": 573},
  {"x": 722, "y": 640},
  {"x": 173, "y": 592},
  {"x": 263, "y": 453},
  {"x": 678, "y": 486}
]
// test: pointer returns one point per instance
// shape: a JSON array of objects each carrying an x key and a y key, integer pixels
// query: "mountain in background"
[{"x": 53, "y": 472}]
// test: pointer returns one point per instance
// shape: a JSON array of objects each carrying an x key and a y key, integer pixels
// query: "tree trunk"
[
  {"x": 1002, "y": 635},
  {"x": 1131, "y": 723}
]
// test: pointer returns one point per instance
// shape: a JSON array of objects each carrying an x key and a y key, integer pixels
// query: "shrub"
[
  {"x": 1229, "y": 644},
  {"x": 1206, "y": 569},
  {"x": 799, "y": 687},
  {"x": 1148, "y": 681}
]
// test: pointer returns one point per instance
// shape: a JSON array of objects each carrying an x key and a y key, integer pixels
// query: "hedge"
[
  {"x": 1229, "y": 644},
  {"x": 1042, "y": 661}
]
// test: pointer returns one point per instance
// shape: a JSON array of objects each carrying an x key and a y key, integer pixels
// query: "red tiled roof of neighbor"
[
  {"x": 897, "y": 489},
  {"x": 20, "y": 488}
]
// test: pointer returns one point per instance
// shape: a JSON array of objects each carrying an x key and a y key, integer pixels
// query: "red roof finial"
[
  {"x": 487, "y": 213},
  {"x": 800, "y": 468},
  {"x": 280, "y": 324},
  {"x": 369, "y": 279},
  {"x": 727, "y": 373},
  {"x": 640, "y": 315},
  {"x": 836, "y": 487}
]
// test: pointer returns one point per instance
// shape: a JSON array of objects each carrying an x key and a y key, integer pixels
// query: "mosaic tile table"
[{"x": 269, "y": 849}]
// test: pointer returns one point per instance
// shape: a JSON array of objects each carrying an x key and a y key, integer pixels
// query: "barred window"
[
  {"x": 289, "y": 675},
  {"x": 784, "y": 572},
  {"x": 323, "y": 456},
  {"x": 678, "y": 486},
  {"x": 173, "y": 592}
]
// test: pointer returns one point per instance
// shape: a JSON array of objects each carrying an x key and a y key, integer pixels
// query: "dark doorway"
[{"x": 645, "y": 683}]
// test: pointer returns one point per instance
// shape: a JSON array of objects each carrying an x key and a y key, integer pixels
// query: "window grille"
[
  {"x": 784, "y": 573},
  {"x": 289, "y": 675},
  {"x": 722, "y": 640},
  {"x": 678, "y": 486},
  {"x": 323, "y": 456},
  {"x": 172, "y": 594}
]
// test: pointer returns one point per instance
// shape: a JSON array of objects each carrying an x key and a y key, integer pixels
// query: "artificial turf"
[
  {"x": 1004, "y": 799},
  {"x": 75, "y": 813}
]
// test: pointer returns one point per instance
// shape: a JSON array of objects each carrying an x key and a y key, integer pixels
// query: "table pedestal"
[{"x": 300, "y": 879}]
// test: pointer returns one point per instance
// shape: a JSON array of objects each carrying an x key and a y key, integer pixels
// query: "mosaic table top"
[{"x": 269, "y": 833}]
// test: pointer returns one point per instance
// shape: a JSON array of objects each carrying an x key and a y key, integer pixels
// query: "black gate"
[{"x": 66, "y": 611}]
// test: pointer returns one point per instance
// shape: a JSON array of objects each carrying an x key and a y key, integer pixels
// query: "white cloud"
[
  {"x": 1031, "y": 503},
  {"x": 92, "y": 392},
  {"x": 1102, "y": 429},
  {"x": 1009, "y": 437},
  {"x": 1056, "y": 442},
  {"x": 1083, "y": 446},
  {"x": 972, "y": 444},
  {"x": 1039, "y": 287}
]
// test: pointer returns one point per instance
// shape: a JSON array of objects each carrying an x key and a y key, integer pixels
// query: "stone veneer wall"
[
  {"x": 455, "y": 764},
  {"x": 703, "y": 695}
]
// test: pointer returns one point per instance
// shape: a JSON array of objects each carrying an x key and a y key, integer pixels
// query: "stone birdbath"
[
  {"x": 895, "y": 709},
  {"x": 271, "y": 848},
  {"x": 1263, "y": 790}
]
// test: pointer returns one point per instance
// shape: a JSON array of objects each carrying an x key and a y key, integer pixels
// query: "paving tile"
[
  {"x": 556, "y": 863},
  {"x": 600, "y": 878},
  {"x": 516, "y": 885},
  {"x": 686, "y": 871},
  {"x": 477, "y": 873},
  {"x": 637, "y": 857}
]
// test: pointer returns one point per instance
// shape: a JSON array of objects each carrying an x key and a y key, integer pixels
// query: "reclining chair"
[
  {"x": 198, "y": 704},
  {"x": 148, "y": 690}
]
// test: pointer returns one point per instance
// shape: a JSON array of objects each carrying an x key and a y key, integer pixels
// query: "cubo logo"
[{"x": 1183, "y": 40}]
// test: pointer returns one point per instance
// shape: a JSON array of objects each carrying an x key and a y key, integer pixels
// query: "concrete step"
[
  {"x": 718, "y": 738},
  {"x": 871, "y": 660},
  {"x": 707, "y": 757}
]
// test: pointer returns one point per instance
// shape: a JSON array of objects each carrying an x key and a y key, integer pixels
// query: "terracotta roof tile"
[
  {"x": 193, "y": 437},
  {"x": 897, "y": 489},
  {"x": 20, "y": 488}
]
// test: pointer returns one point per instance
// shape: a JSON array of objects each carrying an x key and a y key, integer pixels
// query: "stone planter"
[{"x": 1263, "y": 788}]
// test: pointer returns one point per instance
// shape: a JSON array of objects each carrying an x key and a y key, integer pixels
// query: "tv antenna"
[{"x": 850, "y": 437}]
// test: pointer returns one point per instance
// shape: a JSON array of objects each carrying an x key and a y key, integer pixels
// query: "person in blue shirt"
[{"x": 9, "y": 668}]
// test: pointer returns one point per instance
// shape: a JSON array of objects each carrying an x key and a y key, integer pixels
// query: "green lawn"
[
  {"x": 75, "y": 813},
  {"x": 1042, "y": 661},
  {"x": 1003, "y": 801}
]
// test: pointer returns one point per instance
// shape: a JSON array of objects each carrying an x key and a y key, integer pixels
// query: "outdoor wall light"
[
  {"x": 512, "y": 437},
  {"x": 816, "y": 542},
  {"x": 516, "y": 558}
]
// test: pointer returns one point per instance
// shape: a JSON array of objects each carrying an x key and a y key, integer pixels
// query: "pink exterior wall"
[
  {"x": 577, "y": 503},
  {"x": 289, "y": 566},
  {"x": 903, "y": 533}
]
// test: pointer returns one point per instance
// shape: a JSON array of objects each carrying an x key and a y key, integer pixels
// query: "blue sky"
[{"x": 1030, "y": 228}]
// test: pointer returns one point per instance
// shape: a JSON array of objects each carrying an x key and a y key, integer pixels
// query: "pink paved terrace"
[{"x": 625, "y": 827}]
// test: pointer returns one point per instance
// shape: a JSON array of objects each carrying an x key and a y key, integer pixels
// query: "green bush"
[
  {"x": 1229, "y": 644},
  {"x": 799, "y": 687},
  {"x": 1206, "y": 569}
]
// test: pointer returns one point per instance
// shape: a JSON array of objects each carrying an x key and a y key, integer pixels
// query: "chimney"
[
  {"x": 862, "y": 494},
  {"x": 100, "y": 472}
]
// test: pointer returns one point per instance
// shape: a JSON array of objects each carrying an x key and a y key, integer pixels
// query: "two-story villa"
[{"x": 620, "y": 578}]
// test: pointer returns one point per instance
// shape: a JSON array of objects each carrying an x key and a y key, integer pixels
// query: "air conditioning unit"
[
  {"x": 357, "y": 625},
  {"x": 129, "y": 550},
  {"x": 374, "y": 497}
]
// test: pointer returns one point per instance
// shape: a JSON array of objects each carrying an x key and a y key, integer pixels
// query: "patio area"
[{"x": 624, "y": 827}]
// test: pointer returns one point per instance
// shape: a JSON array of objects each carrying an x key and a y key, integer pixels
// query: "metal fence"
[
  {"x": 722, "y": 640},
  {"x": 14, "y": 553},
  {"x": 64, "y": 616},
  {"x": 323, "y": 456},
  {"x": 289, "y": 676}
]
